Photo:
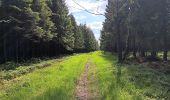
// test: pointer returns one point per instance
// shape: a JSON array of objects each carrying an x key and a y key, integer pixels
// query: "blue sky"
[{"x": 83, "y": 17}]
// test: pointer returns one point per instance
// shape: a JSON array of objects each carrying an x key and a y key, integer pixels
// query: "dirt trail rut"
[
  {"x": 82, "y": 88},
  {"x": 87, "y": 88}
]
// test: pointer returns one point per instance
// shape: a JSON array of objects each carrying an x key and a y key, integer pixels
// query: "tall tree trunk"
[
  {"x": 153, "y": 52},
  {"x": 165, "y": 54},
  {"x": 142, "y": 53},
  {"x": 119, "y": 42},
  {"x": 141, "y": 49},
  {"x": 164, "y": 28},
  {"x": 4, "y": 48},
  {"x": 16, "y": 47},
  {"x": 128, "y": 41},
  {"x": 134, "y": 44},
  {"x": 119, "y": 45},
  {"x": 142, "y": 43}
]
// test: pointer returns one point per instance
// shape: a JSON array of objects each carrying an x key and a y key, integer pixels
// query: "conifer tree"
[
  {"x": 78, "y": 35},
  {"x": 63, "y": 24}
]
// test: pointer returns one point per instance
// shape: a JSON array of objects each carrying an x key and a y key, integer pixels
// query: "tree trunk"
[
  {"x": 165, "y": 57},
  {"x": 5, "y": 56},
  {"x": 119, "y": 42},
  {"x": 164, "y": 28},
  {"x": 16, "y": 51},
  {"x": 153, "y": 54},
  {"x": 142, "y": 53},
  {"x": 141, "y": 49},
  {"x": 128, "y": 41},
  {"x": 134, "y": 44},
  {"x": 165, "y": 54}
]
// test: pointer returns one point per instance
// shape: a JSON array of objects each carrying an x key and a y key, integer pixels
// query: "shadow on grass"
[
  {"x": 153, "y": 83},
  {"x": 119, "y": 73},
  {"x": 139, "y": 80},
  {"x": 114, "y": 87},
  {"x": 107, "y": 56},
  {"x": 115, "y": 82}
]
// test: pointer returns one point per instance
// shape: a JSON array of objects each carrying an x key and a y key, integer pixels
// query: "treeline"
[
  {"x": 137, "y": 27},
  {"x": 40, "y": 28}
]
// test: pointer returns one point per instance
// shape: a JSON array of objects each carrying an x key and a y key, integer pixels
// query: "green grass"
[
  {"x": 105, "y": 73},
  {"x": 107, "y": 80},
  {"x": 93, "y": 85},
  {"x": 21, "y": 70},
  {"x": 130, "y": 82},
  {"x": 56, "y": 82}
]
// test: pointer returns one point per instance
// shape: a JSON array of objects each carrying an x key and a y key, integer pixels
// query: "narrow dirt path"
[
  {"x": 93, "y": 83},
  {"x": 87, "y": 87},
  {"x": 82, "y": 88}
]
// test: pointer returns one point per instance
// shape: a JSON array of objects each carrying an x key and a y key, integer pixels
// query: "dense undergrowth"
[{"x": 11, "y": 70}]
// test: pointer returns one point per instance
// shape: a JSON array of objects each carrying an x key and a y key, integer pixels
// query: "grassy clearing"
[
  {"x": 107, "y": 80},
  {"x": 130, "y": 82},
  {"x": 56, "y": 82}
]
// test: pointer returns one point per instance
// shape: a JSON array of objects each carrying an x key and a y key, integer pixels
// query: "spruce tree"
[
  {"x": 63, "y": 25},
  {"x": 78, "y": 35}
]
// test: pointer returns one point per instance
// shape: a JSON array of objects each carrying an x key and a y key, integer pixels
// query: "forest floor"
[{"x": 87, "y": 76}]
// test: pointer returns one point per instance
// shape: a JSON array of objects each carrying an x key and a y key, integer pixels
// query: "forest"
[
  {"x": 138, "y": 27},
  {"x": 50, "y": 51},
  {"x": 40, "y": 28}
]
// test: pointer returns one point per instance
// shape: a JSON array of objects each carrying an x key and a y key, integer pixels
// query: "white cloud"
[
  {"x": 72, "y": 6},
  {"x": 95, "y": 7},
  {"x": 95, "y": 25},
  {"x": 80, "y": 17}
]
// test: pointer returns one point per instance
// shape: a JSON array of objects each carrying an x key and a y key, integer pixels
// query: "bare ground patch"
[
  {"x": 93, "y": 83},
  {"x": 82, "y": 88},
  {"x": 87, "y": 86}
]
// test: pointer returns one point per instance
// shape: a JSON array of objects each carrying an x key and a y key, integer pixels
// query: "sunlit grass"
[
  {"x": 56, "y": 82},
  {"x": 108, "y": 79},
  {"x": 105, "y": 73}
]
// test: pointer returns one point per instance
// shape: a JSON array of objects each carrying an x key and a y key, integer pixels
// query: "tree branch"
[{"x": 84, "y": 9}]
